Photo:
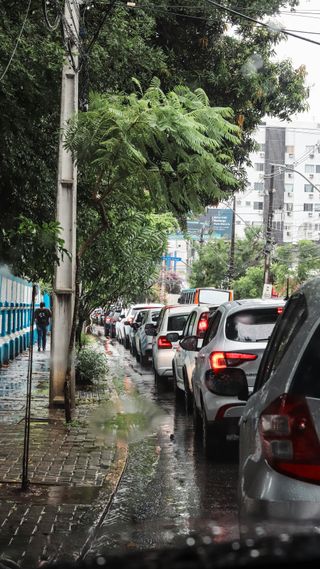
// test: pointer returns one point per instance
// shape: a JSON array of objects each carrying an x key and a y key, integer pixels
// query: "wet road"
[{"x": 170, "y": 490}]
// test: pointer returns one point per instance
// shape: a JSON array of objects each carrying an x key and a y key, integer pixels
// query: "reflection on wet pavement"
[{"x": 170, "y": 490}]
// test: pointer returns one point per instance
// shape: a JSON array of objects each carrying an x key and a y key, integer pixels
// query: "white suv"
[
  {"x": 171, "y": 319},
  {"x": 184, "y": 360}
]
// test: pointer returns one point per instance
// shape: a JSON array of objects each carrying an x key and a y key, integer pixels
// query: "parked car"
[
  {"x": 143, "y": 341},
  {"x": 184, "y": 361},
  {"x": 236, "y": 338},
  {"x": 130, "y": 316},
  {"x": 120, "y": 325},
  {"x": 134, "y": 327},
  {"x": 279, "y": 477},
  {"x": 171, "y": 319},
  {"x": 111, "y": 317}
]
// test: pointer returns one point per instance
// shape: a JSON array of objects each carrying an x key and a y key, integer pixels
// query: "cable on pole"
[{"x": 17, "y": 42}]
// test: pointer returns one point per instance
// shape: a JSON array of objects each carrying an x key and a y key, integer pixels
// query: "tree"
[
  {"x": 211, "y": 267},
  {"x": 173, "y": 282},
  {"x": 296, "y": 262},
  {"x": 250, "y": 285}
]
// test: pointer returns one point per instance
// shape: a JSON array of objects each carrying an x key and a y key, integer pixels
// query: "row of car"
[{"x": 253, "y": 362}]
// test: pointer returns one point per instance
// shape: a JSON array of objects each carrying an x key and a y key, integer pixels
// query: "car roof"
[
  {"x": 252, "y": 303},
  {"x": 180, "y": 308}
]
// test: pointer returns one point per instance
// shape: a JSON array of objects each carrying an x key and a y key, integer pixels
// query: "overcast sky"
[{"x": 304, "y": 53}]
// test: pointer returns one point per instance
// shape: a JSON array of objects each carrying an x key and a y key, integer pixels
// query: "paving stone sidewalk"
[{"x": 72, "y": 475}]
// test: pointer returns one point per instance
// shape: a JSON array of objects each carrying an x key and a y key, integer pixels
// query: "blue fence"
[{"x": 15, "y": 315}]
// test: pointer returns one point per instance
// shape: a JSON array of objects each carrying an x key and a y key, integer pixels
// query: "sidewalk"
[{"x": 72, "y": 476}]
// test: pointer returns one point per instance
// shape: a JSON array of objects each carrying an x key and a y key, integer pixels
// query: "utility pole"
[
  {"x": 232, "y": 243},
  {"x": 268, "y": 246},
  {"x": 64, "y": 281}
]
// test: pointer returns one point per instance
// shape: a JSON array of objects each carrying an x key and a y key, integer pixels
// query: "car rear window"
[
  {"x": 251, "y": 325},
  {"x": 176, "y": 323},
  {"x": 306, "y": 381}
]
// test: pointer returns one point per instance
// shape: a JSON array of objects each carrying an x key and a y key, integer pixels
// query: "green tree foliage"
[
  {"x": 298, "y": 262},
  {"x": 250, "y": 285},
  {"x": 211, "y": 266}
]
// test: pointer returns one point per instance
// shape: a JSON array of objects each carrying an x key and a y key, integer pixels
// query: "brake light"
[
  {"x": 222, "y": 360},
  {"x": 280, "y": 309},
  {"x": 163, "y": 343},
  {"x": 289, "y": 440},
  {"x": 203, "y": 324}
]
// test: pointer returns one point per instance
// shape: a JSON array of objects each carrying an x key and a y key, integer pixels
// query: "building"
[{"x": 296, "y": 201}]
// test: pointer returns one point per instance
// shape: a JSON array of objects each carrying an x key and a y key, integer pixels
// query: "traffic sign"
[{"x": 168, "y": 258}]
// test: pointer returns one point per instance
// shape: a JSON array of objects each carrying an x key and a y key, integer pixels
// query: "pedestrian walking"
[{"x": 42, "y": 317}]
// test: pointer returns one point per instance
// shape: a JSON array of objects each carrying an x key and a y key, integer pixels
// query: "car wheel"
[
  {"x": 176, "y": 389},
  {"x": 196, "y": 417},
  {"x": 138, "y": 356},
  {"x": 144, "y": 360},
  {"x": 187, "y": 391}
]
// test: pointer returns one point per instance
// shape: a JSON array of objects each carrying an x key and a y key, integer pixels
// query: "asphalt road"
[{"x": 170, "y": 491}]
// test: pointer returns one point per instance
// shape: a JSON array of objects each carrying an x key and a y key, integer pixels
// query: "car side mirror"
[
  {"x": 229, "y": 382},
  {"x": 173, "y": 337},
  {"x": 150, "y": 330},
  {"x": 190, "y": 344},
  {"x": 135, "y": 326}
]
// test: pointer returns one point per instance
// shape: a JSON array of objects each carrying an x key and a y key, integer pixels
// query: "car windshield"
[{"x": 251, "y": 325}]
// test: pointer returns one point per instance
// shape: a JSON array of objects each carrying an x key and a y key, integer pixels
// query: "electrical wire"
[
  {"x": 258, "y": 22},
  {"x": 17, "y": 42}
]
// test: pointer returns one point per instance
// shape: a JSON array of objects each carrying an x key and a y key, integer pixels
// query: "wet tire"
[
  {"x": 188, "y": 397},
  {"x": 197, "y": 423},
  {"x": 144, "y": 360}
]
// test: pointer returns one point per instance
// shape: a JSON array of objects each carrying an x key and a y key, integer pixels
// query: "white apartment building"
[{"x": 296, "y": 201}]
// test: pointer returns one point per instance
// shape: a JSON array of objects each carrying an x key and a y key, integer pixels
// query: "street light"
[{"x": 289, "y": 169}]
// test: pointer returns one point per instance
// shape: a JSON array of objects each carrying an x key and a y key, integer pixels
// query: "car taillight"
[
  {"x": 203, "y": 324},
  {"x": 289, "y": 439},
  {"x": 280, "y": 309},
  {"x": 163, "y": 343},
  {"x": 222, "y": 360}
]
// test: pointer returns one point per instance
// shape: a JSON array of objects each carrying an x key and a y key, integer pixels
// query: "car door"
[
  {"x": 201, "y": 363},
  {"x": 180, "y": 352},
  {"x": 282, "y": 336}
]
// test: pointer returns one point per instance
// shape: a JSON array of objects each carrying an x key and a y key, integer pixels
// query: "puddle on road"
[{"x": 51, "y": 495}]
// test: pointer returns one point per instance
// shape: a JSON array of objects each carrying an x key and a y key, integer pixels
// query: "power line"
[
  {"x": 17, "y": 42},
  {"x": 263, "y": 24}
]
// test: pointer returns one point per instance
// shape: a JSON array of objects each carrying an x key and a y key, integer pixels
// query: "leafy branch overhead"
[{"x": 173, "y": 151}]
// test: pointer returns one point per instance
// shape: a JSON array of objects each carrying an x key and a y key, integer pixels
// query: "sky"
[{"x": 303, "y": 53}]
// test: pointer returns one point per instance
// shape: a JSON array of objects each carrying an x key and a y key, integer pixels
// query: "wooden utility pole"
[{"x": 64, "y": 282}]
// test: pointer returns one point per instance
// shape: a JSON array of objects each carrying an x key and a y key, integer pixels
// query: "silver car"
[
  {"x": 236, "y": 338},
  {"x": 171, "y": 320},
  {"x": 280, "y": 427},
  {"x": 143, "y": 340}
]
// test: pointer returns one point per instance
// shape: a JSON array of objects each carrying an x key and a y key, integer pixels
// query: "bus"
[{"x": 209, "y": 295}]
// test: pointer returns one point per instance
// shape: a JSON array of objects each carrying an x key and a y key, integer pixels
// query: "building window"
[
  {"x": 239, "y": 202},
  {"x": 259, "y": 186},
  {"x": 288, "y": 187},
  {"x": 317, "y": 207},
  {"x": 259, "y": 166},
  {"x": 238, "y": 222},
  {"x": 290, "y": 150},
  {"x": 248, "y": 204},
  {"x": 310, "y": 148},
  {"x": 308, "y": 188},
  {"x": 318, "y": 168},
  {"x": 316, "y": 227},
  {"x": 258, "y": 205},
  {"x": 308, "y": 207},
  {"x": 309, "y": 168},
  {"x": 261, "y": 147},
  {"x": 289, "y": 206}
]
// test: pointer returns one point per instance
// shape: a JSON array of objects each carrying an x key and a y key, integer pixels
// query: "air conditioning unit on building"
[
  {"x": 289, "y": 213},
  {"x": 310, "y": 196},
  {"x": 290, "y": 175},
  {"x": 289, "y": 194},
  {"x": 311, "y": 155},
  {"x": 310, "y": 214},
  {"x": 261, "y": 154},
  {"x": 311, "y": 176}
]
